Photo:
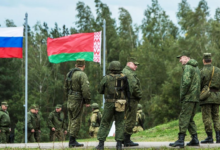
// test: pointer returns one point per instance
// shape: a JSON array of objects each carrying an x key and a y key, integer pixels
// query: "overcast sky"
[{"x": 63, "y": 11}]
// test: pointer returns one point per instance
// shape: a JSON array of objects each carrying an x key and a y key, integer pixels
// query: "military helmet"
[
  {"x": 95, "y": 106},
  {"x": 115, "y": 65},
  {"x": 139, "y": 106}
]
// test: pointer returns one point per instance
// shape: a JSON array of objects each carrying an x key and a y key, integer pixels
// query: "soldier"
[
  {"x": 77, "y": 90},
  {"x": 56, "y": 123},
  {"x": 140, "y": 117},
  {"x": 111, "y": 86},
  {"x": 37, "y": 120},
  {"x": 95, "y": 120},
  {"x": 189, "y": 98},
  {"x": 4, "y": 123},
  {"x": 210, "y": 76},
  {"x": 134, "y": 98}
]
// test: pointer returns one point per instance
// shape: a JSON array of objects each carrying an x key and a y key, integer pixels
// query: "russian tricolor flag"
[{"x": 11, "y": 42}]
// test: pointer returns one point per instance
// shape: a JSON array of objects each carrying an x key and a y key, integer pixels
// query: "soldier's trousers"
[
  {"x": 210, "y": 112},
  {"x": 30, "y": 137},
  {"x": 130, "y": 116},
  {"x": 106, "y": 122},
  {"x": 37, "y": 136},
  {"x": 59, "y": 134},
  {"x": 186, "y": 116},
  {"x": 4, "y": 135},
  {"x": 75, "y": 110}
]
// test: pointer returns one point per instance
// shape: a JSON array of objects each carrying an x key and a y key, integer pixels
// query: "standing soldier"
[
  {"x": 210, "y": 76},
  {"x": 37, "y": 120},
  {"x": 189, "y": 98},
  {"x": 4, "y": 123},
  {"x": 77, "y": 90},
  {"x": 95, "y": 120},
  {"x": 140, "y": 117},
  {"x": 111, "y": 86},
  {"x": 134, "y": 98},
  {"x": 57, "y": 125}
]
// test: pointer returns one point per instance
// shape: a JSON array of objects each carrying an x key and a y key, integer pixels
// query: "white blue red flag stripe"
[{"x": 11, "y": 42}]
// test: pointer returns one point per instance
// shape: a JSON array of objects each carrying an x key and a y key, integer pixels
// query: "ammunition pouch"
[
  {"x": 205, "y": 93},
  {"x": 120, "y": 105}
]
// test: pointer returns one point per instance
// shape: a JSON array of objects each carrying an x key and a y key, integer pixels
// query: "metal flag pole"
[
  {"x": 104, "y": 50},
  {"x": 26, "y": 76}
]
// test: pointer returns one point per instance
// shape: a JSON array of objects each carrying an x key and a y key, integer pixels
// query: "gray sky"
[{"x": 63, "y": 11}]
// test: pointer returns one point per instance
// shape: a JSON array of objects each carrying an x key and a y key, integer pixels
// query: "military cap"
[
  {"x": 36, "y": 107},
  {"x": 80, "y": 62},
  {"x": 132, "y": 59},
  {"x": 4, "y": 103},
  {"x": 207, "y": 56},
  {"x": 95, "y": 105},
  {"x": 32, "y": 107},
  {"x": 139, "y": 106},
  {"x": 184, "y": 53},
  {"x": 58, "y": 106}
]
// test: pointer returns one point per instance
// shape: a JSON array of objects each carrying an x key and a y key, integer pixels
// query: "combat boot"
[
  {"x": 128, "y": 142},
  {"x": 74, "y": 143},
  {"x": 179, "y": 142},
  {"x": 217, "y": 136},
  {"x": 194, "y": 141},
  {"x": 119, "y": 145},
  {"x": 209, "y": 139},
  {"x": 100, "y": 146}
]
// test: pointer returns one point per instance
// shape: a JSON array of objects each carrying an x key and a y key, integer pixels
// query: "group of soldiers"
[{"x": 122, "y": 93}]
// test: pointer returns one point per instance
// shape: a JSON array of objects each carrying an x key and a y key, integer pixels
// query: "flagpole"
[
  {"x": 104, "y": 50},
  {"x": 26, "y": 76}
]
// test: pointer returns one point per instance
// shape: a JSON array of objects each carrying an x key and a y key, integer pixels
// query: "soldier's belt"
[
  {"x": 75, "y": 93},
  {"x": 110, "y": 100}
]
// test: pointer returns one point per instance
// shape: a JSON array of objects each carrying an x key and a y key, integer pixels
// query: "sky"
[{"x": 63, "y": 11}]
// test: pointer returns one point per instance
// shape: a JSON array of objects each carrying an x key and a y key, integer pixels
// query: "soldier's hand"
[
  {"x": 87, "y": 105},
  {"x": 65, "y": 132},
  {"x": 32, "y": 130},
  {"x": 53, "y": 129},
  {"x": 9, "y": 129},
  {"x": 39, "y": 130}
]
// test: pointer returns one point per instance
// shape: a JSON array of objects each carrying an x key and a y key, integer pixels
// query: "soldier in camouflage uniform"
[
  {"x": 77, "y": 91},
  {"x": 95, "y": 120},
  {"x": 4, "y": 123},
  {"x": 189, "y": 97},
  {"x": 56, "y": 124},
  {"x": 109, "y": 88},
  {"x": 37, "y": 120},
  {"x": 135, "y": 96},
  {"x": 140, "y": 117},
  {"x": 210, "y": 105}
]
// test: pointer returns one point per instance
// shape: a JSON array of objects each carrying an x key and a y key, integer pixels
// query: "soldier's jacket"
[
  {"x": 190, "y": 83},
  {"x": 56, "y": 120},
  {"x": 140, "y": 117},
  {"x": 31, "y": 121},
  {"x": 79, "y": 88},
  {"x": 134, "y": 83},
  {"x": 95, "y": 118},
  {"x": 4, "y": 118},
  {"x": 206, "y": 74},
  {"x": 37, "y": 120}
]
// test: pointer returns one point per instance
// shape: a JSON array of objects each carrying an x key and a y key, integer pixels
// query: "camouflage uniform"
[
  {"x": 37, "y": 129},
  {"x": 57, "y": 120},
  {"x": 210, "y": 106},
  {"x": 77, "y": 89},
  {"x": 140, "y": 117},
  {"x": 95, "y": 120},
  {"x": 4, "y": 124}
]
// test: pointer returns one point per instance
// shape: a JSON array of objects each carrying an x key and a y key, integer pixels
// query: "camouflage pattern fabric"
[
  {"x": 78, "y": 94},
  {"x": 4, "y": 126},
  {"x": 206, "y": 73},
  {"x": 56, "y": 120},
  {"x": 59, "y": 134},
  {"x": 140, "y": 116},
  {"x": 36, "y": 133},
  {"x": 186, "y": 116},
  {"x": 94, "y": 126},
  {"x": 136, "y": 95},
  {"x": 210, "y": 112},
  {"x": 190, "y": 83}
]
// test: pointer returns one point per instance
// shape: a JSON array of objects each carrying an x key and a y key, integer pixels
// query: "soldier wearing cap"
[
  {"x": 140, "y": 117},
  {"x": 95, "y": 120},
  {"x": 56, "y": 124},
  {"x": 4, "y": 123},
  {"x": 189, "y": 98},
  {"x": 78, "y": 94},
  {"x": 210, "y": 77},
  {"x": 135, "y": 96},
  {"x": 37, "y": 120}
]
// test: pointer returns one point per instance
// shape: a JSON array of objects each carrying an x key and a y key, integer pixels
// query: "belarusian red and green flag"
[{"x": 69, "y": 48}]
